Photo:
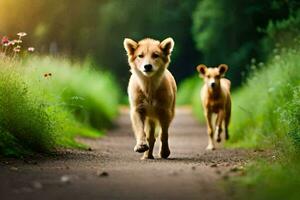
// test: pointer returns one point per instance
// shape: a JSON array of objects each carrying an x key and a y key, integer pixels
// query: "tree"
[{"x": 226, "y": 31}]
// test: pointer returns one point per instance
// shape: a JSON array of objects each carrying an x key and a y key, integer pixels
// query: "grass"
[
  {"x": 267, "y": 96},
  {"x": 270, "y": 120},
  {"x": 266, "y": 114},
  {"x": 279, "y": 180},
  {"x": 90, "y": 95},
  {"x": 189, "y": 94},
  {"x": 45, "y": 102},
  {"x": 186, "y": 88}
]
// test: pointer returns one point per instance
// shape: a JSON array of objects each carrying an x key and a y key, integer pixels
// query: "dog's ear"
[
  {"x": 167, "y": 45},
  {"x": 130, "y": 46},
  {"x": 202, "y": 69},
  {"x": 223, "y": 68}
]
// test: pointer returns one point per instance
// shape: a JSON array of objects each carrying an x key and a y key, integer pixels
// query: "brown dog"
[
  {"x": 152, "y": 92},
  {"x": 215, "y": 96}
]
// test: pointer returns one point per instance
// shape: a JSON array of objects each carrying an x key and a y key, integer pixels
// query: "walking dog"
[
  {"x": 215, "y": 97},
  {"x": 152, "y": 93}
]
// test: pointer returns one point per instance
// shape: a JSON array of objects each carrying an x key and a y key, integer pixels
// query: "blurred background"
[
  {"x": 74, "y": 82},
  {"x": 205, "y": 31}
]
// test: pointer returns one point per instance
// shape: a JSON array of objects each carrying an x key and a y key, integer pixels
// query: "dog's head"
[
  {"x": 149, "y": 56},
  {"x": 212, "y": 76}
]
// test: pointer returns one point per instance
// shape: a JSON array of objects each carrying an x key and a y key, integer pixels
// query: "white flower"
[
  {"x": 31, "y": 49},
  {"x": 22, "y": 34}
]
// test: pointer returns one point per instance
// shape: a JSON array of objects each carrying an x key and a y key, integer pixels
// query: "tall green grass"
[
  {"x": 277, "y": 179},
  {"x": 267, "y": 96},
  {"x": 266, "y": 114},
  {"x": 189, "y": 94},
  {"x": 186, "y": 90},
  {"x": 90, "y": 95},
  {"x": 39, "y": 112}
]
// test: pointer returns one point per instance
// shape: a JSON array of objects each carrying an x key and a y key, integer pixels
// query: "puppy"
[
  {"x": 152, "y": 93},
  {"x": 215, "y": 97}
]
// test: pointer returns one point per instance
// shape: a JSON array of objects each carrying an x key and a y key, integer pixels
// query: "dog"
[
  {"x": 152, "y": 93},
  {"x": 215, "y": 97}
]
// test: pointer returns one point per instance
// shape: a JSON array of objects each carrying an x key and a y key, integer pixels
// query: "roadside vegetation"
[
  {"x": 266, "y": 115},
  {"x": 45, "y": 102}
]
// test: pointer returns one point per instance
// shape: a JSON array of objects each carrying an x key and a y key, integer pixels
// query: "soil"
[{"x": 112, "y": 170}]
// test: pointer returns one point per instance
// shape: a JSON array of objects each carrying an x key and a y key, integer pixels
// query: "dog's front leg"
[
  {"x": 211, "y": 145},
  {"x": 150, "y": 133},
  {"x": 138, "y": 119},
  {"x": 164, "y": 120}
]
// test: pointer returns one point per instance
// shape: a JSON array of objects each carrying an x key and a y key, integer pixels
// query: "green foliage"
[
  {"x": 197, "y": 104},
  {"x": 259, "y": 105},
  {"x": 186, "y": 90},
  {"x": 290, "y": 116},
  {"x": 189, "y": 93},
  {"x": 38, "y": 113},
  {"x": 208, "y": 17},
  {"x": 281, "y": 33},
  {"x": 264, "y": 180},
  {"x": 266, "y": 114},
  {"x": 91, "y": 96},
  {"x": 225, "y": 31},
  {"x": 26, "y": 120}
]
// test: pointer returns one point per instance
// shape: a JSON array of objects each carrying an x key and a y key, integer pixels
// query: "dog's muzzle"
[{"x": 148, "y": 68}]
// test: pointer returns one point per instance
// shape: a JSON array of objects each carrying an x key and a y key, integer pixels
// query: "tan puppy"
[
  {"x": 152, "y": 92},
  {"x": 215, "y": 96}
]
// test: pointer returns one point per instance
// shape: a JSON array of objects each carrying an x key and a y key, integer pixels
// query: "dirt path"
[{"x": 113, "y": 171}]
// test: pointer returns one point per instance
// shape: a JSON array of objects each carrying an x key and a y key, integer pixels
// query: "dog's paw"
[
  {"x": 210, "y": 148},
  {"x": 227, "y": 137},
  {"x": 146, "y": 157},
  {"x": 140, "y": 148},
  {"x": 164, "y": 153}
]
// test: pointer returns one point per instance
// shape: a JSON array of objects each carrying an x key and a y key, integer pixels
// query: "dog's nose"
[
  {"x": 213, "y": 84},
  {"x": 148, "y": 68}
]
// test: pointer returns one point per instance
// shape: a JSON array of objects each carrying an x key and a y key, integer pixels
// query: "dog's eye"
[
  {"x": 141, "y": 56},
  {"x": 155, "y": 55},
  {"x": 208, "y": 76},
  {"x": 218, "y": 76}
]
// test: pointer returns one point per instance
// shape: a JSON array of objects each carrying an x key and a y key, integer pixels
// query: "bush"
[
  {"x": 91, "y": 96},
  {"x": 46, "y": 102},
  {"x": 186, "y": 90},
  {"x": 259, "y": 105},
  {"x": 264, "y": 180},
  {"x": 26, "y": 122},
  {"x": 189, "y": 93},
  {"x": 266, "y": 114},
  {"x": 281, "y": 33}
]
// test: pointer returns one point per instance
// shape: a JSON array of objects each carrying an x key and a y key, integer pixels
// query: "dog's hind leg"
[
  {"x": 138, "y": 119},
  {"x": 150, "y": 134},
  {"x": 219, "y": 123},
  {"x": 227, "y": 120}
]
